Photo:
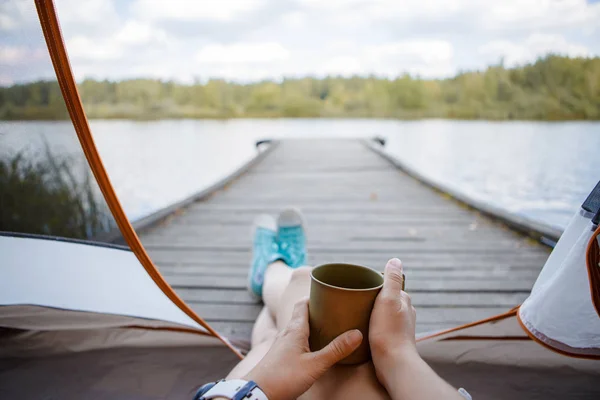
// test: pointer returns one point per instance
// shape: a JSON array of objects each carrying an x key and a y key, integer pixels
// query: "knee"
[{"x": 301, "y": 274}]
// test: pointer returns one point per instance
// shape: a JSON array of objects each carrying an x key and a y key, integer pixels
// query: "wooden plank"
[
  {"x": 243, "y": 330},
  {"x": 342, "y": 237},
  {"x": 431, "y": 315},
  {"x": 419, "y": 299},
  {"x": 325, "y": 208},
  {"x": 236, "y": 268},
  {"x": 472, "y": 285},
  {"x": 412, "y": 273},
  {"x": 472, "y": 231},
  {"x": 234, "y": 330},
  {"x": 227, "y": 312},
  {"x": 411, "y": 260},
  {"x": 333, "y": 234},
  {"x": 367, "y": 220},
  {"x": 347, "y": 248},
  {"x": 236, "y": 296}
]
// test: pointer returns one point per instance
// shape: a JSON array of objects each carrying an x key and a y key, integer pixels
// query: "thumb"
[
  {"x": 392, "y": 284},
  {"x": 339, "y": 348}
]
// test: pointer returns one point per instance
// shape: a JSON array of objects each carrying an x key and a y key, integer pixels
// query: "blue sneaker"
[
  {"x": 264, "y": 252},
  {"x": 291, "y": 237}
]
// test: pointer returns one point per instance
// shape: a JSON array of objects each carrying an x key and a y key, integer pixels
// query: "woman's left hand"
[{"x": 289, "y": 368}]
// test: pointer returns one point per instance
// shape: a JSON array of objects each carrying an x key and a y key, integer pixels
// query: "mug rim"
[{"x": 312, "y": 276}]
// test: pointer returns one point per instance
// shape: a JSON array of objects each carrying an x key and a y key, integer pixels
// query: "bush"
[{"x": 43, "y": 196}]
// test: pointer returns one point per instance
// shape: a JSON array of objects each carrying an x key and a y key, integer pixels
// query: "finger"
[
  {"x": 339, "y": 348},
  {"x": 300, "y": 309},
  {"x": 406, "y": 300},
  {"x": 392, "y": 284},
  {"x": 299, "y": 318}
]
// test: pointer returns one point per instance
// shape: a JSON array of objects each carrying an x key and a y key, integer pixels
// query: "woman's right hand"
[
  {"x": 392, "y": 325},
  {"x": 398, "y": 366}
]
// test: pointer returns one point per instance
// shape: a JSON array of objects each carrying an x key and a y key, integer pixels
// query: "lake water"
[{"x": 536, "y": 169}]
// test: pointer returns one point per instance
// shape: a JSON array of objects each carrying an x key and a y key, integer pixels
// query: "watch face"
[{"x": 203, "y": 389}]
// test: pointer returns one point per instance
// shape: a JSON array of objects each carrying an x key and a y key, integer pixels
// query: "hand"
[
  {"x": 392, "y": 325},
  {"x": 289, "y": 368}
]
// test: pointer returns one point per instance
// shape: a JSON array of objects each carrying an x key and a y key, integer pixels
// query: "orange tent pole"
[{"x": 62, "y": 67}]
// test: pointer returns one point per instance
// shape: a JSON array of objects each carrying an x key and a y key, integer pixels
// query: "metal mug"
[{"x": 342, "y": 298}]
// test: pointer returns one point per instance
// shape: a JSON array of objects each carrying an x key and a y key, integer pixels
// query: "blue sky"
[{"x": 248, "y": 40}]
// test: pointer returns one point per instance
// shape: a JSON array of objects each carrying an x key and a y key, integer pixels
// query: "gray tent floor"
[
  {"x": 118, "y": 373},
  {"x": 176, "y": 373}
]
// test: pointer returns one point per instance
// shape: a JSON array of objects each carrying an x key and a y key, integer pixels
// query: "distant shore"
[
  {"x": 553, "y": 88},
  {"x": 92, "y": 117}
]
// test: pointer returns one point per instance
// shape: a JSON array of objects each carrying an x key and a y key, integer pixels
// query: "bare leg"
[
  {"x": 264, "y": 328},
  {"x": 284, "y": 287},
  {"x": 277, "y": 278}
]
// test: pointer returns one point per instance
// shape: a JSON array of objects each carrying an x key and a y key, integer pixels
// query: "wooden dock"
[{"x": 461, "y": 266}]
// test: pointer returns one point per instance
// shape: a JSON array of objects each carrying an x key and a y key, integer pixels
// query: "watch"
[{"x": 234, "y": 389}]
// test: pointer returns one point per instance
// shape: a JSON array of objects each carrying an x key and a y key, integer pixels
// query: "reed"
[{"x": 50, "y": 195}]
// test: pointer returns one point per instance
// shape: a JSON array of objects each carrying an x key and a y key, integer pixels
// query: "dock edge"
[
  {"x": 263, "y": 147},
  {"x": 547, "y": 235}
]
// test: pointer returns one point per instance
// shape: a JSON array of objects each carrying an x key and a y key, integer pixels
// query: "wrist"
[
  {"x": 262, "y": 383},
  {"x": 390, "y": 366}
]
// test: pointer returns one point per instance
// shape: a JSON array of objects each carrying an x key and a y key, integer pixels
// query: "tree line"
[{"x": 552, "y": 88}]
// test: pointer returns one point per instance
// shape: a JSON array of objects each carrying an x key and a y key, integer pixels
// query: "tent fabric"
[
  {"x": 17, "y": 343},
  {"x": 496, "y": 359},
  {"x": 133, "y": 373},
  {"x": 495, "y": 382},
  {"x": 561, "y": 298},
  {"x": 498, "y": 342},
  {"x": 78, "y": 277},
  {"x": 43, "y": 318},
  {"x": 593, "y": 265},
  {"x": 60, "y": 60}
]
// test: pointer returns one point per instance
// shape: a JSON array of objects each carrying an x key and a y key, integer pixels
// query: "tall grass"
[{"x": 43, "y": 195}]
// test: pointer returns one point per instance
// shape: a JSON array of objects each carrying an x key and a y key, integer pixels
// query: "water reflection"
[
  {"x": 540, "y": 170},
  {"x": 48, "y": 192}
]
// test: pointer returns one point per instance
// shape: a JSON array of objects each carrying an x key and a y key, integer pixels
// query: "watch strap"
[{"x": 235, "y": 389}]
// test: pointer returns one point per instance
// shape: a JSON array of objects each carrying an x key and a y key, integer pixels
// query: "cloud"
[
  {"x": 14, "y": 14},
  {"x": 422, "y": 16},
  {"x": 294, "y": 19},
  {"x": 90, "y": 17},
  {"x": 84, "y": 48},
  {"x": 424, "y": 57},
  {"x": 88, "y": 11},
  {"x": 6, "y": 80},
  {"x": 341, "y": 66},
  {"x": 270, "y": 39},
  {"x": 185, "y": 10},
  {"x": 139, "y": 33},
  {"x": 542, "y": 14},
  {"x": 254, "y": 61},
  {"x": 114, "y": 46},
  {"x": 536, "y": 45},
  {"x": 239, "y": 53},
  {"x": 7, "y": 22},
  {"x": 385, "y": 9},
  {"x": 426, "y": 50},
  {"x": 19, "y": 55},
  {"x": 12, "y": 55}
]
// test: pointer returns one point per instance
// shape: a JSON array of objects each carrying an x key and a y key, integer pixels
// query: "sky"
[{"x": 250, "y": 40}]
